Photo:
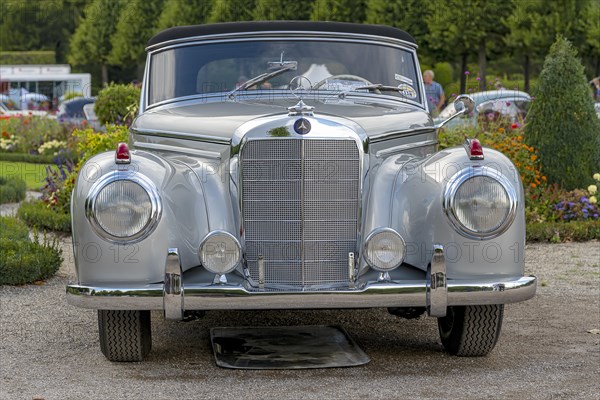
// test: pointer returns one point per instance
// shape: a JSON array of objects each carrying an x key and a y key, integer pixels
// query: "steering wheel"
[{"x": 343, "y": 76}]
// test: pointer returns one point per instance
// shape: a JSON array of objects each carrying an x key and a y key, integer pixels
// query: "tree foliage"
[
  {"x": 339, "y": 10},
  {"x": 270, "y": 10},
  {"x": 136, "y": 24},
  {"x": 91, "y": 42},
  {"x": 184, "y": 12},
  {"x": 38, "y": 25},
  {"x": 561, "y": 116},
  {"x": 232, "y": 10}
]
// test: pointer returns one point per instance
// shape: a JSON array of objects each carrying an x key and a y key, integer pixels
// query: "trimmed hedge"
[
  {"x": 556, "y": 232},
  {"x": 39, "y": 215},
  {"x": 12, "y": 189},
  {"x": 28, "y": 158},
  {"x": 23, "y": 260}
]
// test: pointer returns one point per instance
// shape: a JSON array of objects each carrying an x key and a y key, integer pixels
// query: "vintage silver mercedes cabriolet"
[{"x": 294, "y": 165}]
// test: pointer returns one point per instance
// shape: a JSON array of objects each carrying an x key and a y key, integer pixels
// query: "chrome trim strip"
[
  {"x": 404, "y": 147},
  {"x": 173, "y": 288},
  {"x": 404, "y": 133},
  {"x": 175, "y": 149},
  {"x": 233, "y": 297},
  {"x": 125, "y": 175},
  {"x": 437, "y": 295},
  {"x": 181, "y": 135},
  {"x": 461, "y": 177}
]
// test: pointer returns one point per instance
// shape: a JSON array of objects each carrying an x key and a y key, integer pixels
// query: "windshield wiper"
[
  {"x": 376, "y": 87},
  {"x": 257, "y": 80}
]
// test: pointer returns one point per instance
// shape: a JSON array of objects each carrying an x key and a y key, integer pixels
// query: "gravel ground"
[{"x": 49, "y": 350}]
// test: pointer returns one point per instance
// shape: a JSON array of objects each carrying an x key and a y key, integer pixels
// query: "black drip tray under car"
[{"x": 285, "y": 347}]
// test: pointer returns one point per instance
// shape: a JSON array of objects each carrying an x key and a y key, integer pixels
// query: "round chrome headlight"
[
  {"x": 480, "y": 205},
  {"x": 384, "y": 249},
  {"x": 123, "y": 207},
  {"x": 220, "y": 252}
]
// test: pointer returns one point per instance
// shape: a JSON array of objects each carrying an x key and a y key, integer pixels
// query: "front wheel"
[
  {"x": 471, "y": 330},
  {"x": 125, "y": 335}
]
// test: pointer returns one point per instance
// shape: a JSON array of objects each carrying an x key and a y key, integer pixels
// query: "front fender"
[
  {"x": 407, "y": 195},
  {"x": 192, "y": 203}
]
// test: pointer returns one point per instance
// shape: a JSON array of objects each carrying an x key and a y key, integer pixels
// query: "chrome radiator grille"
[{"x": 300, "y": 209}]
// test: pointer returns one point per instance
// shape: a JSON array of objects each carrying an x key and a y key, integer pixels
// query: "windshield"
[{"x": 327, "y": 65}]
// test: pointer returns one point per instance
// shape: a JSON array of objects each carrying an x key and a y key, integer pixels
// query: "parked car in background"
[
  {"x": 78, "y": 112},
  {"x": 294, "y": 165},
  {"x": 10, "y": 110},
  {"x": 490, "y": 106}
]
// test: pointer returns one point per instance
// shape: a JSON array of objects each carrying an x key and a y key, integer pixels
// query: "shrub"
[
  {"x": 28, "y": 158},
  {"x": 23, "y": 260},
  {"x": 114, "y": 102},
  {"x": 91, "y": 143},
  {"x": 14, "y": 229},
  {"x": 555, "y": 232},
  {"x": 12, "y": 189},
  {"x": 562, "y": 123},
  {"x": 38, "y": 214},
  {"x": 26, "y": 134},
  {"x": 443, "y": 73}
]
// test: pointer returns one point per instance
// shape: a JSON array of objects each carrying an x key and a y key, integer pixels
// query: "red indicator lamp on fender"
[
  {"x": 122, "y": 155},
  {"x": 474, "y": 149}
]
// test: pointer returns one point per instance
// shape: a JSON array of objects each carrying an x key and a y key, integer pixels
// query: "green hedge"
[
  {"x": 23, "y": 260},
  {"x": 27, "y": 57},
  {"x": 38, "y": 215},
  {"x": 12, "y": 189},
  {"x": 555, "y": 232},
  {"x": 28, "y": 158}
]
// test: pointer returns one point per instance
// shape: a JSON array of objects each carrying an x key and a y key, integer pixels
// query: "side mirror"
[{"x": 463, "y": 105}]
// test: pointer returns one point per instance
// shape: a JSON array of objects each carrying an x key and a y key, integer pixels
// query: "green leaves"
[{"x": 562, "y": 123}]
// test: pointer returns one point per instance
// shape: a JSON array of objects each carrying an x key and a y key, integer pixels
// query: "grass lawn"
[{"x": 32, "y": 174}]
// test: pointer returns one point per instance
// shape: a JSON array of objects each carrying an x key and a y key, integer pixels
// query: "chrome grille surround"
[{"x": 300, "y": 208}]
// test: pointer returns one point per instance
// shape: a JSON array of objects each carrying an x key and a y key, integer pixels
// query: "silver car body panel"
[{"x": 192, "y": 151}]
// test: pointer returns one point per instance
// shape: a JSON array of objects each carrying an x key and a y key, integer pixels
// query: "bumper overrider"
[{"x": 174, "y": 296}]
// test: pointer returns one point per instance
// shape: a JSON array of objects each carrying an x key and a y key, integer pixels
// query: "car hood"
[{"x": 223, "y": 118}]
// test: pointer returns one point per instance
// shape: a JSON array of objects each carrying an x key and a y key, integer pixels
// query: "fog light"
[
  {"x": 384, "y": 249},
  {"x": 220, "y": 252}
]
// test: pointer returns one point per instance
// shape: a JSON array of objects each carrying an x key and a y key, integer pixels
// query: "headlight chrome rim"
[
  {"x": 230, "y": 236},
  {"x": 132, "y": 176},
  {"x": 449, "y": 201},
  {"x": 370, "y": 237}
]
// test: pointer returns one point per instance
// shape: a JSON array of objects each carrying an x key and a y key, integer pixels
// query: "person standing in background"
[{"x": 434, "y": 92}]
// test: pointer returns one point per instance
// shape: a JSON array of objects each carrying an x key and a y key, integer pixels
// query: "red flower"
[
  {"x": 5, "y": 135},
  {"x": 515, "y": 125}
]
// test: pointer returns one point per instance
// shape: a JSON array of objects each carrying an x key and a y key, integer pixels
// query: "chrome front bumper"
[{"x": 174, "y": 296}]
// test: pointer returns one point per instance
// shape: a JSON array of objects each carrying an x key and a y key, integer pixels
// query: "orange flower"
[
  {"x": 5, "y": 134},
  {"x": 543, "y": 177},
  {"x": 25, "y": 122},
  {"x": 519, "y": 138},
  {"x": 533, "y": 185},
  {"x": 533, "y": 157},
  {"x": 501, "y": 130}
]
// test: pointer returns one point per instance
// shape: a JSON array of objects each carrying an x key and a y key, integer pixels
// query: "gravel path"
[{"x": 49, "y": 350}]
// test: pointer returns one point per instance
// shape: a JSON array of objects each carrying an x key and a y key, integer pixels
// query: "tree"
[
  {"x": 136, "y": 24},
  {"x": 562, "y": 123},
  {"x": 283, "y": 10},
  {"x": 184, "y": 12},
  {"x": 91, "y": 41},
  {"x": 339, "y": 10},
  {"x": 468, "y": 27},
  {"x": 232, "y": 10},
  {"x": 523, "y": 39},
  {"x": 408, "y": 15},
  {"x": 591, "y": 25},
  {"x": 38, "y": 25}
]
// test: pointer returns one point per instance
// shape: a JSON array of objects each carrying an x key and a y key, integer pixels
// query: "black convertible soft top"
[{"x": 181, "y": 32}]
